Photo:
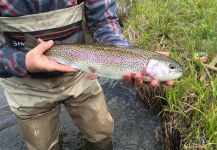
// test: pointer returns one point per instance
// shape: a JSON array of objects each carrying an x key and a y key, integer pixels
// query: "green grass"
[{"x": 183, "y": 27}]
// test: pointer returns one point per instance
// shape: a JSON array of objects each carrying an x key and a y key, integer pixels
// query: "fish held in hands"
[{"x": 113, "y": 62}]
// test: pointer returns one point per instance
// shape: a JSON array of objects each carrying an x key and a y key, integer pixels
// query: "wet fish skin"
[{"x": 113, "y": 62}]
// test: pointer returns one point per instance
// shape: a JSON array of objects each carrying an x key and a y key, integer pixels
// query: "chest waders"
[{"x": 36, "y": 101}]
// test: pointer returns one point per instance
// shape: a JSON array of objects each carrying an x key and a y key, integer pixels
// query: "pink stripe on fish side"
[{"x": 102, "y": 57}]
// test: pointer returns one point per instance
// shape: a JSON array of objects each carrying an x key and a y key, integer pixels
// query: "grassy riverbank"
[{"x": 183, "y": 27}]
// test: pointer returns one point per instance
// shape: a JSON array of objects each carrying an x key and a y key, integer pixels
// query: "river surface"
[{"x": 135, "y": 126}]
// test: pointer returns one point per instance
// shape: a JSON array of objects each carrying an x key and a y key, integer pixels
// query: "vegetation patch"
[{"x": 182, "y": 27}]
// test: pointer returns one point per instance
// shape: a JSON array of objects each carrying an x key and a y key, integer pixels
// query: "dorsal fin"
[{"x": 30, "y": 41}]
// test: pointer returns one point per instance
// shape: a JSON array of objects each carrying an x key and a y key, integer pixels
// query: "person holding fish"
[{"x": 36, "y": 85}]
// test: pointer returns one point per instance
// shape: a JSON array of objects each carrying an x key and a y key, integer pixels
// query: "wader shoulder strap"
[{"x": 48, "y": 22}]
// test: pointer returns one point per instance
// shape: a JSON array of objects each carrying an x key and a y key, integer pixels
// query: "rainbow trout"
[{"x": 113, "y": 62}]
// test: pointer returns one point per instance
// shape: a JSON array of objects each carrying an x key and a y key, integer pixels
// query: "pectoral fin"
[{"x": 93, "y": 73}]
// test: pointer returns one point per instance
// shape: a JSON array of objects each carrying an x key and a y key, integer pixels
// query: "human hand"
[
  {"x": 36, "y": 61},
  {"x": 137, "y": 80}
]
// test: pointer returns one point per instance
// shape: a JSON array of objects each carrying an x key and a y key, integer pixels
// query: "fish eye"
[{"x": 172, "y": 66}]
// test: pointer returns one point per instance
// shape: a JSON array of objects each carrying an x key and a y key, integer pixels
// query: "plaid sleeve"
[
  {"x": 12, "y": 62},
  {"x": 103, "y": 23}
]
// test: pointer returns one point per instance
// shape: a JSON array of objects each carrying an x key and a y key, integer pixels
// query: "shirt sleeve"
[
  {"x": 12, "y": 62},
  {"x": 102, "y": 22}
]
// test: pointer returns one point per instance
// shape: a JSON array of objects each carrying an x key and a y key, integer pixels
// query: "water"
[{"x": 134, "y": 124}]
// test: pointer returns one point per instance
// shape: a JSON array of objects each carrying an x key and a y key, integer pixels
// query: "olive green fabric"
[
  {"x": 41, "y": 21},
  {"x": 36, "y": 103}
]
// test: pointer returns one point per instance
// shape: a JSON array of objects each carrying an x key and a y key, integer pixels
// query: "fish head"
[{"x": 163, "y": 70}]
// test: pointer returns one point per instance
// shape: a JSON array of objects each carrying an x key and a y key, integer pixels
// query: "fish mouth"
[{"x": 179, "y": 74}]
